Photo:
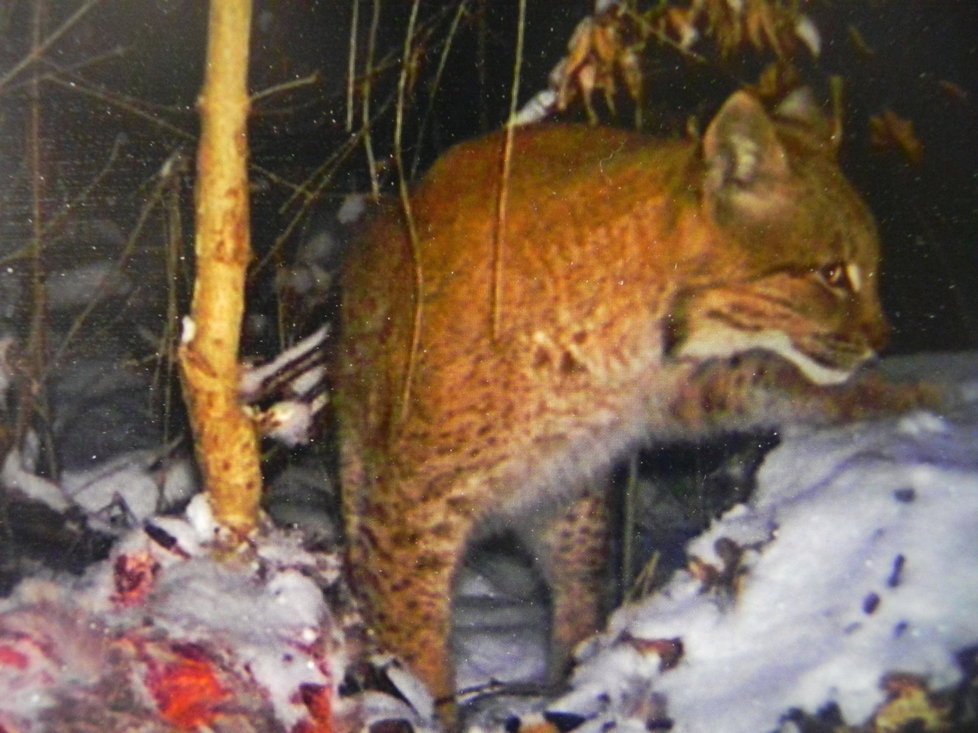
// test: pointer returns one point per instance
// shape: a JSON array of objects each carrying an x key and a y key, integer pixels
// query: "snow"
[
  {"x": 252, "y": 626},
  {"x": 858, "y": 561},
  {"x": 854, "y": 560},
  {"x": 255, "y": 380},
  {"x": 115, "y": 494}
]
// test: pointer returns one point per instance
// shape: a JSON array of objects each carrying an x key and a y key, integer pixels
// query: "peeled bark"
[{"x": 226, "y": 441}]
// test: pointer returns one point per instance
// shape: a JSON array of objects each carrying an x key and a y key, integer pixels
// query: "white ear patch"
[{"x": 746, "y": 157}]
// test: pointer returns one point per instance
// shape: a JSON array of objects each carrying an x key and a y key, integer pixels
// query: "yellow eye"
[{"x": 835, "y": 275}]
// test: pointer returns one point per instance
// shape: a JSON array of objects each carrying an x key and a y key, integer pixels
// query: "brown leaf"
[{"x": 890, "y": 132}]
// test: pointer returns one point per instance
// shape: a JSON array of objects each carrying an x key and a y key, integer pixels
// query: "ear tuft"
[{"x": 800, "y": 107}]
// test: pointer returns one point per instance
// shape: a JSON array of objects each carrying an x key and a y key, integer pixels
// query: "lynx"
[{"x": 492, "y": 368}]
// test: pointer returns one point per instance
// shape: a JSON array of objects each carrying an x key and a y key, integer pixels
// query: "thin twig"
[
  {"x": 39, "y": 48},
  {"x": 308, "y": 192},
  {"x": 286, "y": 86},
  {"x": 501, "y": 201},
  {"x": 32, "y": 397},
  {"x": 436, "y": 82},
  {"x": 482, "y": 66},
  {"x": 165, "y": 351},
  {"x": 408, "y": 217},
  {"x": 56, "y": 69},
  {"x": 131, "y": 106},
  {"x": 51, "y": 226},
  {"x": 134, "y": 238},
  {"x": 351, "y": 66},
  {"x": 628, "y": 522},
  {"x": 365, "y": 107}
]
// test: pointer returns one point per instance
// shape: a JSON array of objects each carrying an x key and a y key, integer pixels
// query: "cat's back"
[{"x": 582, "y": 224}]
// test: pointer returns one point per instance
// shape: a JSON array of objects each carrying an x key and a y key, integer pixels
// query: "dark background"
[{"x": 128, "y": 73}]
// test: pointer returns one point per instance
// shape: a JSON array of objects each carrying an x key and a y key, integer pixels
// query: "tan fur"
[{"x": 648, "y": 288}]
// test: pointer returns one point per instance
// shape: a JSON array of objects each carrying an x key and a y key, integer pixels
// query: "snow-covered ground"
[
  {"x": 848, "y": 579},
  {"x": 852, "y": 570},
  {"x": 173, "y": 634}
]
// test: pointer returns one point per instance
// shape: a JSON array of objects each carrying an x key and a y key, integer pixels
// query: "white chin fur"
[{"x": 721, "y": 342}]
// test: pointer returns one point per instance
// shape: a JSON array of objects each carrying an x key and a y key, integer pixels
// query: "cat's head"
[{"x": 799, "y": 270}]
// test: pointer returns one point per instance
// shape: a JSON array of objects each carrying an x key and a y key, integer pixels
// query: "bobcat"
[{"x": 639, "y": 289}]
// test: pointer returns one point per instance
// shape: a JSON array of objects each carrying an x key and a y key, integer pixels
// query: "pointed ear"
[
  {"x": 740, "y": 146},
  {"x": 801, "y": 108}
]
